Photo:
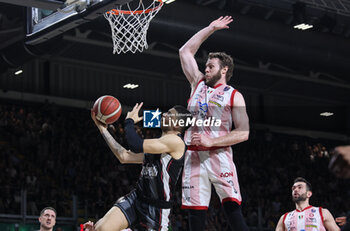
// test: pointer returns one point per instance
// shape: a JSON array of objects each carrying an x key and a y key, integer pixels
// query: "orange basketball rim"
[{"x": 144, "y": 11}]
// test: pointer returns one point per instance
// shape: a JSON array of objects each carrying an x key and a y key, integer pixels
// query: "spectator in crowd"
[{"x": 47, "y": 219}]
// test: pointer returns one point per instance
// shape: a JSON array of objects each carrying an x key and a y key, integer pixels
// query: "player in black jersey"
[{"x": 151, "y": 200}]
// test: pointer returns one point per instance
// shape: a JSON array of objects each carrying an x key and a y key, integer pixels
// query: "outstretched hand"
[
  {"x": 340, "y": 220},
  {"x": 134, "y": 113},
  {"x": 89, "y": 226},
  {"x": 221, "y": 23}
]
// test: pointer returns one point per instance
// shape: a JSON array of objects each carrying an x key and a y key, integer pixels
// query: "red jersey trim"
[
  {"x": 303, "y": 209},
  {"x": 194, "y": 207},
  {"x": 322, "y": 218},
  {"x": 217, "y": 85},
  {"x": 232, "y": 97},
  {"x": 160, "y": 219},
  {"x": 201, "y": 148},
  {"x": 194, "y": 90},
  {"x": 284, "y": 218},
  {"x": 231, "y": 199}
]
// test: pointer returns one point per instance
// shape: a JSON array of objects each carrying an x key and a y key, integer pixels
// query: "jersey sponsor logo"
[
  {"x": 198, "y": 97},
  {"x": 149, "y": 171},
  {"x": 311, "y": 215},
  {"x": 151, "y": 118},
  {"x": 203, "y": 109},
  {"x": 226, "y": 174},
  {"x": 233, "y": 185},
  {"x": 313, "y": 210},
  {"x": 292, "y": 223},
  {"x": 213, "y": 102},
  {"x": 221, "y": 93},
  {"x": 219, "y": 97},
  {"x": 312, "y": 220},
  {"x": 226, "y": 88},
  {"x": 203, "y": 106},
  {"x": 187, "y": 187}
]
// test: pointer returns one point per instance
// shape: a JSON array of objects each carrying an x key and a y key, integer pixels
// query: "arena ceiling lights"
[
  {"x": 326, "y": 114},
  {"x": 300, "y": 18},
  {"x": 131, "y": 86},
  {"x": 303, "y": 26},
  {"x": 18, "y": 72}
]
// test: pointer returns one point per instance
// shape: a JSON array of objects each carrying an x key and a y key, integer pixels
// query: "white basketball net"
[{"x": 129, "y": 26}]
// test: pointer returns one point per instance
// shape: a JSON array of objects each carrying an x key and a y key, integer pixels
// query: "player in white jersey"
[
  {"x": 209, "y": 160},
  {"x": 305, "y": 217}
]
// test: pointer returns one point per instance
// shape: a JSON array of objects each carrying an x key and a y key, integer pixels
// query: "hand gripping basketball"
[{"x": 107, "y": 109}]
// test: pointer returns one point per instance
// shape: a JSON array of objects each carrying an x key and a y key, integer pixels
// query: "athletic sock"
[
  {"x": 197, "y": 219},
  {"x": 235, "y": 217}
]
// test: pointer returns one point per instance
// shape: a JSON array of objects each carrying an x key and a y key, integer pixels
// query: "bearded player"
[{"x": 305, "y": 216}]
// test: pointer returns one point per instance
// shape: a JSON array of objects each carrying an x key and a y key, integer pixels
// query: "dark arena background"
[{"x": 296, "y": 84}]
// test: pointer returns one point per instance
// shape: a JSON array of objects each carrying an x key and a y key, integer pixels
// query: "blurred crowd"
[{"x": 55, "y": 153}]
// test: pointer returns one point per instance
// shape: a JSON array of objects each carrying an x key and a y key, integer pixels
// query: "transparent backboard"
[{"x": 48, "y": 21}]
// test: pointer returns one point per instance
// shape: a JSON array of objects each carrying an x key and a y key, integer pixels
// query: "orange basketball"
[{"x": 107, "y": 109}]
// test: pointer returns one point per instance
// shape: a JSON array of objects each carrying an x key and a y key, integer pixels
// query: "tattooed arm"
[{"x": 123, "y": 155}]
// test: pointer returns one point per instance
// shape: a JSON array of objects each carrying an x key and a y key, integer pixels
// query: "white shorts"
[{"x": 203, "y": 168}]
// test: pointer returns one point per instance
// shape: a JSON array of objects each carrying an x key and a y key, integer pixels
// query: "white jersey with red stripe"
[
  {"x": 212, "y": 104},
  {"x": 308, "y": 219},
  {"x": 203, "y": 166}
]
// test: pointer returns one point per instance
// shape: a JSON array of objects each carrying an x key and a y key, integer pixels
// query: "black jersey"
[
  {"x": 158, "y": 178},
  {"x": 150, "y": 203}
]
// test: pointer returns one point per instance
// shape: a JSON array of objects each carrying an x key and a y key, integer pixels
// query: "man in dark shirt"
[{"x": 151, "y": 201}]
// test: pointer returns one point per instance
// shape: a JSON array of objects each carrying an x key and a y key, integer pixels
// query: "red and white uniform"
[
  {"x": 205, "y": 166},
  {"x": 309, "y": 219}
]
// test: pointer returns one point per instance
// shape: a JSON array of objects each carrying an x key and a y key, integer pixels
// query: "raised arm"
[
  {"x": 238, "y": 135},
  {"x": 170, "y": 143},
  {"x": 188, "y": 51},
  {"x": 123, "y": 155},
  {"x": 329, "y": 222}
]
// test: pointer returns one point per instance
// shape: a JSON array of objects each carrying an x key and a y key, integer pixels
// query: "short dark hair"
[
  {"x": 183, "y": 114},
  {"x": 225, "y": 61},
  {"x": 301, "y": 179},
  {"x": 51, "y": 208}
]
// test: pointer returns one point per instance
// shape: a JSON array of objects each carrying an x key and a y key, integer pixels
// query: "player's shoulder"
[
  {"x": 197, "y": 82},
  {"x": 318, "y": 208},
  {"x": 323, "y": 210},
  {"x": 173, "y": 139},
  {"x": 284, "y": 215}
]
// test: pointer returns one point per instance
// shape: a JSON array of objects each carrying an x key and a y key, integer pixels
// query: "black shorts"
[{"x": 137, "y": 211}]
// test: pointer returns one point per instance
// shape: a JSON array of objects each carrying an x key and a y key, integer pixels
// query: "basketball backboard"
[{"x": 49, "y": 18}]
